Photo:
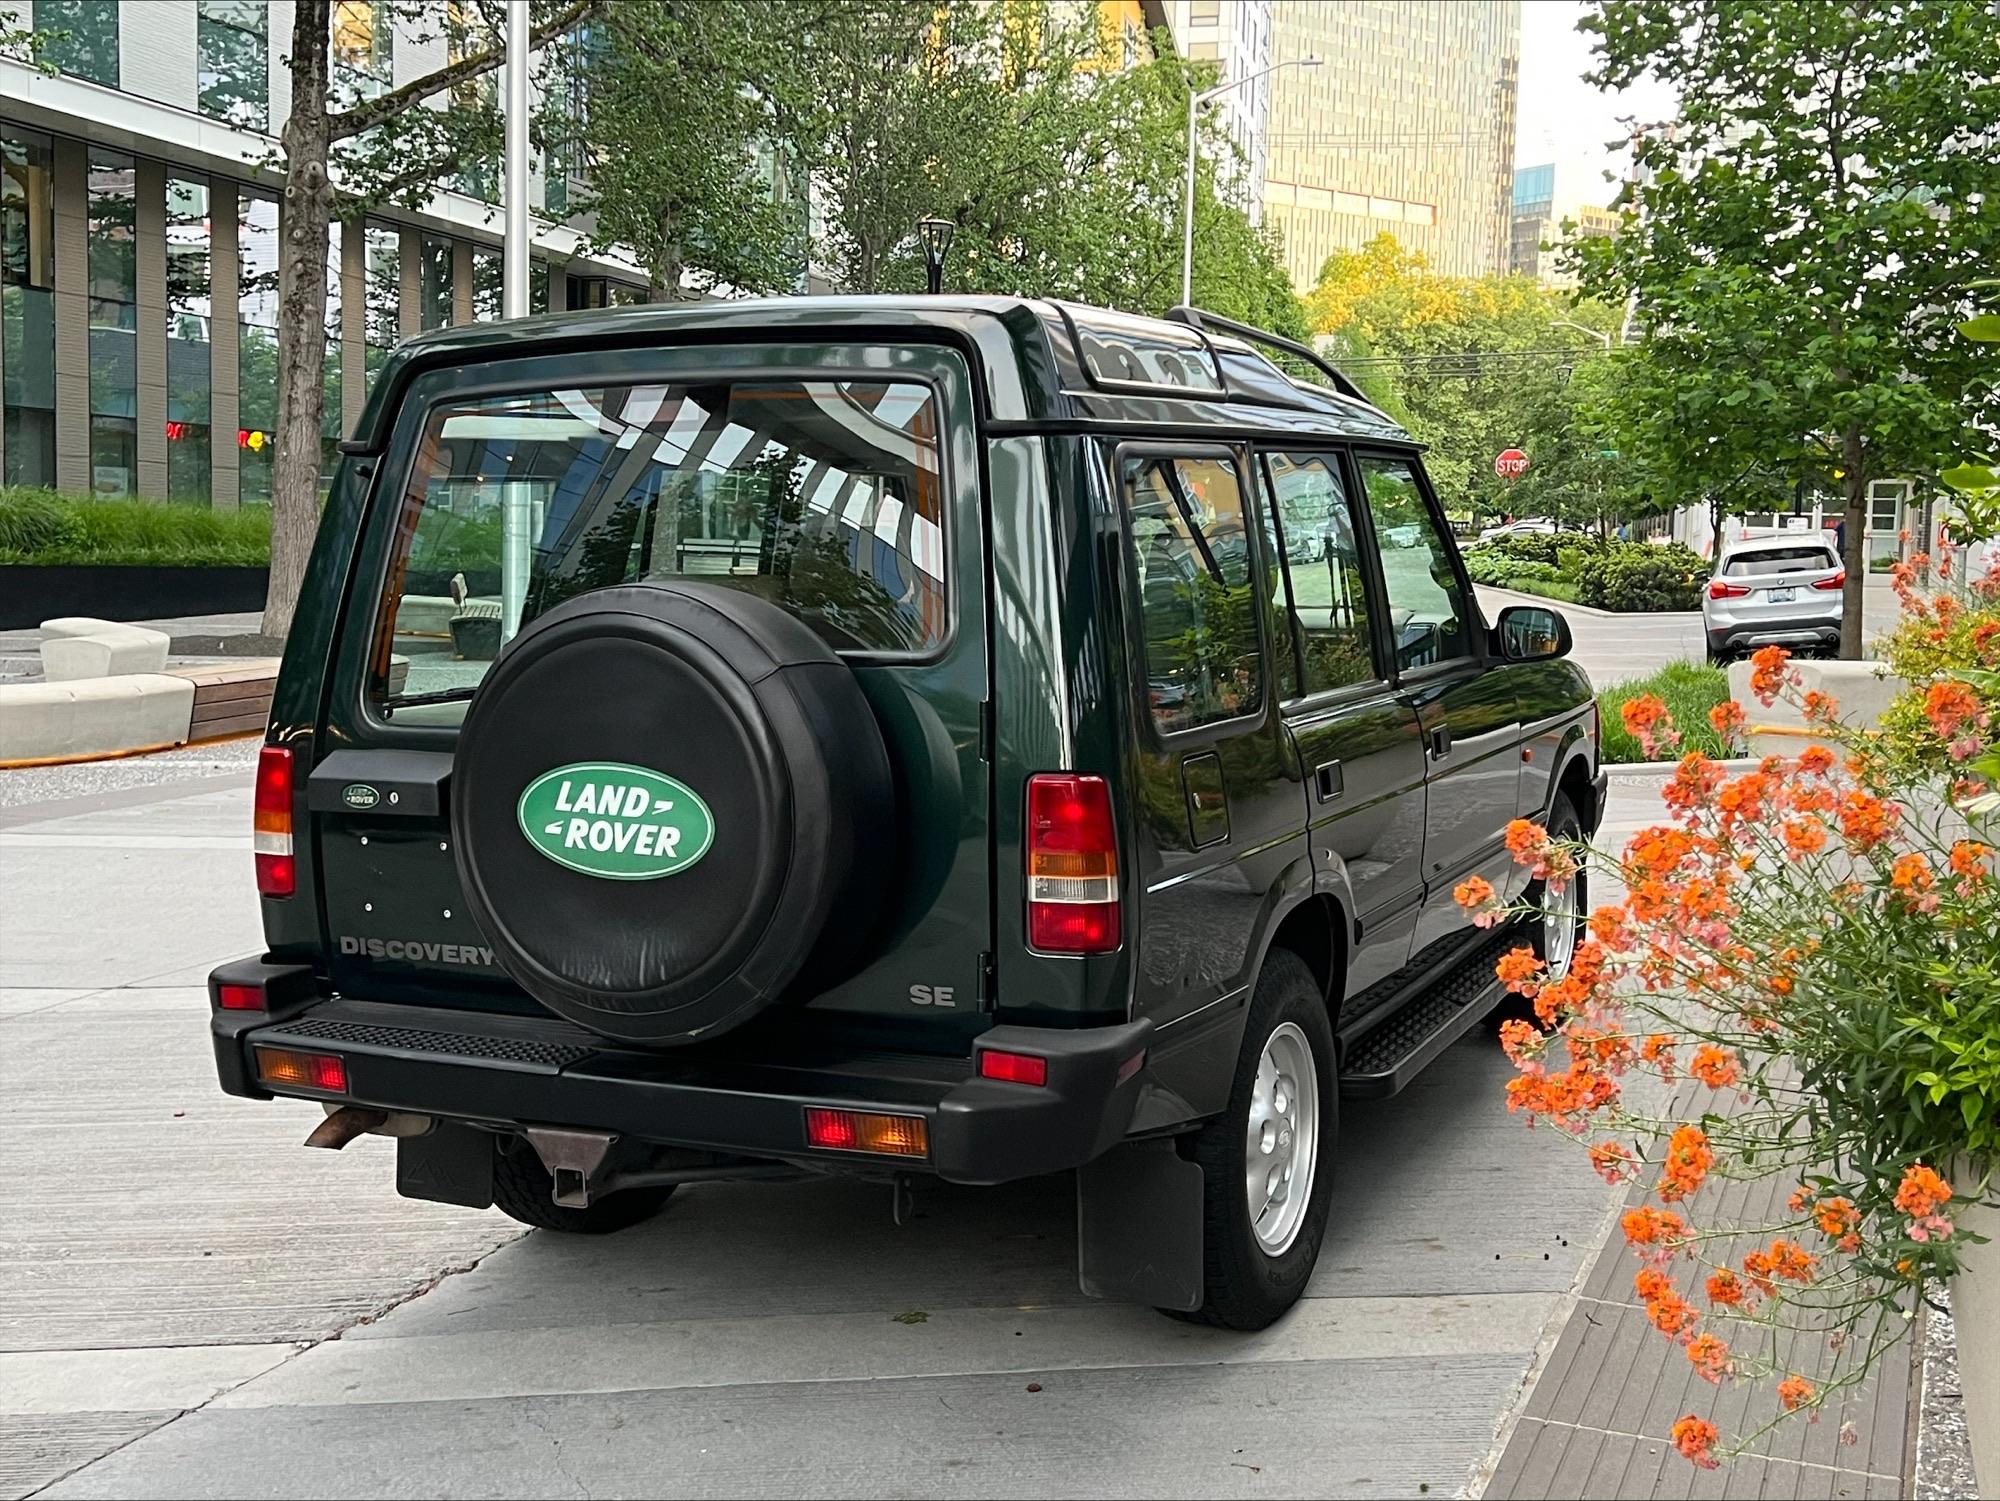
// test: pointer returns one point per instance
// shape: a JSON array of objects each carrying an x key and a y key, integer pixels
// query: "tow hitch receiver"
[{"x": 574, "y": 1159}]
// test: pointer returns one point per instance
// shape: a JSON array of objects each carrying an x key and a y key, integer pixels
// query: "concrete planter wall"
[
  {"x": 1975, "y": 1315},
  {"x": 29, "y": 595}
]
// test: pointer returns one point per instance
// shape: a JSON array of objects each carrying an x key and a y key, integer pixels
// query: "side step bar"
[{"x": 1437, "y": 1005}]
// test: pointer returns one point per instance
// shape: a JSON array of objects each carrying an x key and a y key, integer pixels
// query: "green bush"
[
  {"x": 1635, "y": 576},
  {"x": 47, "y": 528},
  {"x": 1689, "y": 691}
]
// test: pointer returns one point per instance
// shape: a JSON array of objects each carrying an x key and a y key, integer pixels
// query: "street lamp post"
[
  {"x": 1195, "y": 102},
  {"x": 1597, "y": 334},
  {"x": 514, "y": 234},
  {"x": 936, "y": 235}
]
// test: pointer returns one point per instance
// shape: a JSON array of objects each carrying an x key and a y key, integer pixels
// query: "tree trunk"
[
  {"x": 303, "y": 216},
  {"x": 1854, "y": 556}
]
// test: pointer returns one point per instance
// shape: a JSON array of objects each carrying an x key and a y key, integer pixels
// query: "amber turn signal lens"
[
  {"x": 856, "y": 1131},
  {"x": 292, "y": 1070}
]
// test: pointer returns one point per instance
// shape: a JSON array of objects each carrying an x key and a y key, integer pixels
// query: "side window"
[
  {"x": 1429, "y": 620},
  {"x": 1323, "y": 560},
  {"x": 1198, "y": 597}
]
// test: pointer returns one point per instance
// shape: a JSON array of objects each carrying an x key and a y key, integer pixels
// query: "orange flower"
[
  {"x": 1794, "y": 1392},
  {"x": 1922, "y": 1192},
  {"x": 1473, "y": 893},
  {"x": 1804, "y": 836},
  {"x": 1767, "y": 672},
  {"x": 1647, "y": 721},
  {"x": 1611, "y": 1162},
  {"x": 1951, "y": 705},
  {"x": 1651, "y": 1284},
  {"x": 1518, "y": 1037},
  {"x": 1647, "y": 1226},
  {"x": 1687, "y": 1163},
  {"x": 1695, "y": 1437},
  {"x": 1693, "y": 783},
  {"x": 1911, "y": 873},
  {"x": 1865, "y": 820},
  {"x": 1759, "y": 1266},
  {"x": 1710, "y": 1357},
  {"x": 1671, "y": 1313},
  {"x": 1839, "y": 1221},
  {"x": 1518, "y": 969},
  {"x": 1816, "y": 760},
  {"x": 1791, "y": 1261},
  {"x": 1968, "y": 859},
  {"x": 1744, "y": 799},
  {"x": 1725, "y": 1289},
  {"x": 1658, "y": 1050},
  {"x": 1728, "y": 719},
  {"x": 1716, "y": 1067}
]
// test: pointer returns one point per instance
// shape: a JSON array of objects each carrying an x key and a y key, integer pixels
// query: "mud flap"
[
  {"x": 1138, "y": 1226},
  {"x": 449, "y": 1165}
]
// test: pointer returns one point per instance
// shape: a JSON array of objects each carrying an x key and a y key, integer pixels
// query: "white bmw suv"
[{"x": 1782, "y": 589}]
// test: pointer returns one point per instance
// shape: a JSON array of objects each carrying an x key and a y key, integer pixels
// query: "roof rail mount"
[{"x": 1200, "y": 318}]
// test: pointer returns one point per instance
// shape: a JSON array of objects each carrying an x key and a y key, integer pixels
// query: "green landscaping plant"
[
  {"x": 1689, "y": 690},
  {"x": 45, "y": 528},
  {"x": 1643, "y": 576}
]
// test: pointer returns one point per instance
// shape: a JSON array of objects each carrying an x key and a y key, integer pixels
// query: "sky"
[{"x": 1562, "y": 119}]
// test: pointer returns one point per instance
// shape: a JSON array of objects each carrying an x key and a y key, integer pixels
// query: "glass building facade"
[
  {"x": 139, "y": 258},
  {"x": 1405, "y": 127}
]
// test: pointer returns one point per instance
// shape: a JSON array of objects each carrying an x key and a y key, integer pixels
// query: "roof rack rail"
[{"x": 1200, "y": 319}]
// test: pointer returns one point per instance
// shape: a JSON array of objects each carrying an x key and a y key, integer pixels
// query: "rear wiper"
[{"x": 416, "y": 700}]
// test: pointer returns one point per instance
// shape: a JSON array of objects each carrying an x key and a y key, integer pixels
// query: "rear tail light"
[
  {"x": 240, "y": 997},
  {"x": 1717, "y": 589},
  {"x": 277, "y": 871},
  {"x": 1072, "y": 866},
  {"x": 1838, "y": 581},
  {"x": 290, "y": 1069},
  {"x": 1013, "y": 1068},
  {"x": 859, "y": 1131}
]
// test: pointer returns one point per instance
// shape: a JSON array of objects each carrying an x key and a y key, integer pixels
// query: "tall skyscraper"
[
  {"x": 1407, "y": 126},
  {"x": 1235, "y": 35},
  {"x": 1539, "y": 215}
]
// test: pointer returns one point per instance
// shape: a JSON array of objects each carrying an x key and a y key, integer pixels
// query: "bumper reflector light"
[
  {"x": 857, "y": 1131},
  {"x": 240, "y": 997},
  {"x": 1013, "y": 1068},
  {"x": 295, "y": 1070}
]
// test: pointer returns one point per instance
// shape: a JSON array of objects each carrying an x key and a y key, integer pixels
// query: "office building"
[
  {"x": 139, "y": 245},
  {"x": 1406, "y": 126},
  {"x": 1538, "y": 217},
  {"x": 1235, "y": 35}
]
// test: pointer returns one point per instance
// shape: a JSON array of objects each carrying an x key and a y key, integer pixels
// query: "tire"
[
  {"x": 1567, "y": 824},
  {"x": 523, "y": 1190},
  {"x": 775, "y": 810},
  {"x": 1246, "y": 1283}
]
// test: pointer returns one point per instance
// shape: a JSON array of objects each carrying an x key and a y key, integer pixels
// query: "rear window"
[
  {"x": 824, "y": 497},
  {"x": 1777, "y": 560}
]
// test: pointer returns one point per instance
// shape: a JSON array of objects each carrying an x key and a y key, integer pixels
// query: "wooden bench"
[{"x": 230, "y": 700}]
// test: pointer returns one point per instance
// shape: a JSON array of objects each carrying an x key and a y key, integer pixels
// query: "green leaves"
[{"x": 1985, "y": 328}]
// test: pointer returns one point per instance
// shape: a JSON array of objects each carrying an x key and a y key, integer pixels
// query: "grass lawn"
[
  {"x": 1689, "y": 690},
  {"x": 1561, "y": 589}
]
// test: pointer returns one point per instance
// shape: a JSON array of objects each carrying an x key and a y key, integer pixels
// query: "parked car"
[
  {"x": 1016, "y": 802},
  {"x": 1530, "y": 526},
  {"x": 1780, "y": 588}
]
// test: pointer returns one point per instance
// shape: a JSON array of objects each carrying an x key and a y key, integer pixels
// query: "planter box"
[{"x": 29, "y": 595}]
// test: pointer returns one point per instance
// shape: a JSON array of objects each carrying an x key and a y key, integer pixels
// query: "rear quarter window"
[{"x": 824, "y": 497}]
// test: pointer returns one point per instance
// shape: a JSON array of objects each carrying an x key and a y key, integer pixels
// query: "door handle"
[
  {"x": 1440, "y": 742},
  {"x": 1328, "y": 783}
]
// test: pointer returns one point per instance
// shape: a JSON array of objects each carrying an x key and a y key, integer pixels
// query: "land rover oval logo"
[
  {"x": 624, "y": 823},
  {"x": 359, "y": 795}
]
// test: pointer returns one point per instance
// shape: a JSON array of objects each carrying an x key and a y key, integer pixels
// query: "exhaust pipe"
[{"x": 345, "y": 1122}]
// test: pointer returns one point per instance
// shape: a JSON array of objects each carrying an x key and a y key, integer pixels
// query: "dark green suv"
[{"x": 942, "y": 738}]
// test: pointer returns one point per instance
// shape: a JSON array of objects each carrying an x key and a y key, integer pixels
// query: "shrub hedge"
[
  {"x": 1608, "y": 575},
  {"x": 47, "y": 528}
]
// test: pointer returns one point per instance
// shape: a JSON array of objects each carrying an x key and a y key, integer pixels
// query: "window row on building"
[{"x": 139, "y": 320}]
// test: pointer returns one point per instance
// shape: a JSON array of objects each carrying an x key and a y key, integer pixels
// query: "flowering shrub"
[{"x": 1807, "y": 947}]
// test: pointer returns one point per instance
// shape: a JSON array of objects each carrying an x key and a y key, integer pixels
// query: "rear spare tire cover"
[{"x": 666, "y": 799}]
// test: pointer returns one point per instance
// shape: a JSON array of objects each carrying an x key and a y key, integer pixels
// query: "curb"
[
  {"x": 1668, "y": 768},
  {"x": 1591, "y": 610}
]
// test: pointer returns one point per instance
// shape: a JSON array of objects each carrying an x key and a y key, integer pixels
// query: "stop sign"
[{"x": 1511, "y": 464}]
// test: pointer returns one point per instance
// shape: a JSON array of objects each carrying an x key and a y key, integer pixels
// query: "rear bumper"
[
  {"x": 511, "y": 1071},
  {"x": 1815, "y": 631}
]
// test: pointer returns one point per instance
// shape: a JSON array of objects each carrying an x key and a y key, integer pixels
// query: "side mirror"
[{"x": 1531, "y": 633}]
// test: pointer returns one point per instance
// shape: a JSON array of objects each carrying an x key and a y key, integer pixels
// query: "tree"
[
  {"x": 1806, "y": 234},
  {"x": 689, "y": 105},
  {"x": 390, "y": 146}
]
